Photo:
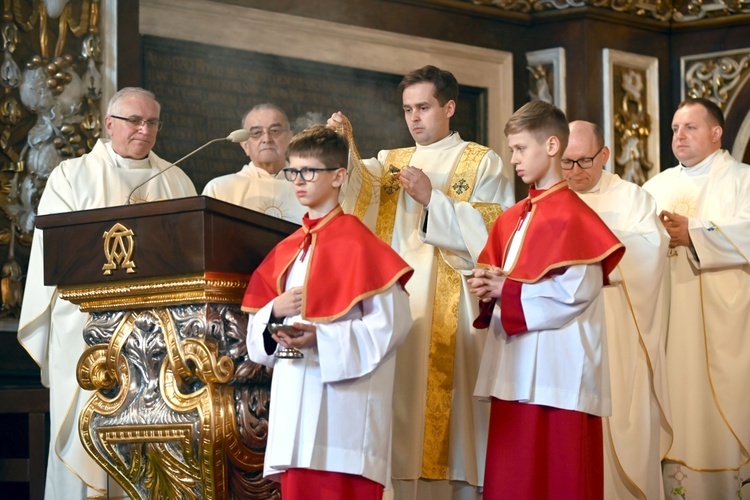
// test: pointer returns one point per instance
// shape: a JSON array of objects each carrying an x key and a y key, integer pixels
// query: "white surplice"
[
  {"x": 51, "y": 329},
  {"x": 459, "y": 232},
  {"x": 256, "y": 189},
  {"x": 561, "y": 361},
  {"x": 709, "y": 326},
  {"x": 639, "y": 433},
  {"x": 331, "y": 410}
]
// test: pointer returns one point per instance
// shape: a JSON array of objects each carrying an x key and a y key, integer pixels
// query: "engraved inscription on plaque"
[{"x": 205, "y": 91}]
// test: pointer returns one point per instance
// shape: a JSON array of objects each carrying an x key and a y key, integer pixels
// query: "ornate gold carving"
[
  {"x": 165, "y": 474},
  {"x": 49, "y": 103},
  {"x": 668, "y": 11},
  {"x": 717, "y": 76},
  {"x": 158, "y": 292},
  {"x": 119, "y": 245},
  {"x": 632, "y": 128},
  {"x": 163, "y": 418}
]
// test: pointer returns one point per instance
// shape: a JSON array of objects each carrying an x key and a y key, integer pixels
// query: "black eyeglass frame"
[
  {"x": 291, "y": 174},
  {"x": 573, "y": 163}
]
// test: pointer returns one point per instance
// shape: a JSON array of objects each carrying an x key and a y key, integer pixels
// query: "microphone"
[{"x": 239, "y": 135}]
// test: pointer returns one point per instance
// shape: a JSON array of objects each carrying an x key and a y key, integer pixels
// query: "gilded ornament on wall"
[
  {"x": 632, "y": 128},
  {"x": 716, "y": 76},
  {"x": 631, "y": 113},
  {"x": 667, "y": 11},
  {"x": 49, "y": 111}
]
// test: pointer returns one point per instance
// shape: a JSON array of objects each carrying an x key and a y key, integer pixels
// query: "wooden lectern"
[{"x": 178, "y": 410}]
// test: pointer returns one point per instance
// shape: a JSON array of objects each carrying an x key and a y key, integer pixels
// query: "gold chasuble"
[{"x": 448, "y": 289}]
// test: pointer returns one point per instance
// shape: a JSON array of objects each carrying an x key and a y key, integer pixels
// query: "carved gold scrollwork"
[
  {"x": 179, "y": 385},
  {"x": 632, "y": 128},
  {"x": 193, "y": 357},
  {"x": 134, "y": 293},
  {"x": 152, "y": 457},
  {"x": 50, "y": 93},
  {"x": 717, "y": 77},
  {"x": 669, "y": 11}
]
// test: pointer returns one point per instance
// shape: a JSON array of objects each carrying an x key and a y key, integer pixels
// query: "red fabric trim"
[
  {"x": 309, "y": 484},
  {"x": 349, "y": 263},
  {"x": 537, "y": 452},
  {"x": 485, "y": 314},
  {"x": 563, "y": 231},
  {"x": 511, "y": 312}
]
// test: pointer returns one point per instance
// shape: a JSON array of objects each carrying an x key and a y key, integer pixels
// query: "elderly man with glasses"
[
  {"x": 260, "y": 185},
  {"x": 639, "y": 432},
  {"x": 118, "y": 170}
]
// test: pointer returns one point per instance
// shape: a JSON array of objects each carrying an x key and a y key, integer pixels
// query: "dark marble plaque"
[{"x": 205, "y": 90}]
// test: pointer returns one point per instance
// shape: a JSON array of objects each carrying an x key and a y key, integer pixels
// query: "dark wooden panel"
[
  {"x": 205, "y": 90},
  {"x": 15, "y": 362},
  {"x": 24, "y": 432},
  {"x": 128, "y": 44},
  {"x": 174, "y": 237}
]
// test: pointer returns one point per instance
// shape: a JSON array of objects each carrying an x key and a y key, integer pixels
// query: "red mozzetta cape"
[
  {"x": 562, "y": 231},
  {"x": 346, "y": 264}
]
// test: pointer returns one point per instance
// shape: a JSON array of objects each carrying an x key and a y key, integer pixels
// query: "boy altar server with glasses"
[
  {"x": 341, "y": 290},
  {"x": 544, "y": 367}
]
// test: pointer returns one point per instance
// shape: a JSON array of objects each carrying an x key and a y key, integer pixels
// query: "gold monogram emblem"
[{"x": 118, "y": 249}]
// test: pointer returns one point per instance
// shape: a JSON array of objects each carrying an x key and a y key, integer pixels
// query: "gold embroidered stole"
[{"x": 445, "y": 303}]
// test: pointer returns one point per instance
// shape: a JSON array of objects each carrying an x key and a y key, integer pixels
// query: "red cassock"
[
  {"x": 530, "y": 447},
  {"x": 346, "y": 264}
]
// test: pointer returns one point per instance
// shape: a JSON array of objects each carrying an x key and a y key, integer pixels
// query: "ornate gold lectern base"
[{"x": 178, "y": 409}]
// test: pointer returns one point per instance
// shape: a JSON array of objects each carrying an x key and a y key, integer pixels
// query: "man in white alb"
[
  {"x": 116, "y": 171},
  {"x": 260, "y": 185},
  {"x": 433, "y": 203},
  {"x": 638, "y": 433},
  {"x": 705, "y": 208}
]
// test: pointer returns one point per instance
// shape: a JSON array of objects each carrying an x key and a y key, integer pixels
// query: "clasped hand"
[
  {"x": 487, "y": 283},
  {"x": 677, "y": 227},
  {"x": 305, "y": 336},
  {"x": 287, "y": 304}
]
